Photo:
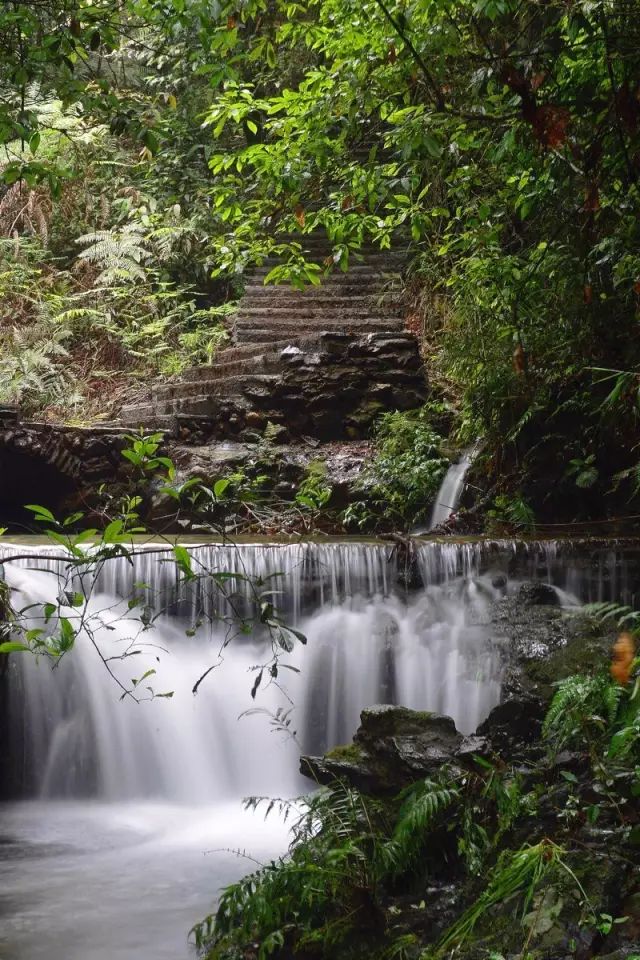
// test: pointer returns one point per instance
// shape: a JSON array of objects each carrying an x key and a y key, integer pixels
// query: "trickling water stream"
[
  {"x": 450, "y": 492},
  {"x": 106, "y": 858}
]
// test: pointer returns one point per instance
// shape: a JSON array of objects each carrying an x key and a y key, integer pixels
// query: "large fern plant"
[
  {"x": 32, "y": 372},
  {"x": 120, "y": 253},
  {"x": 597, "y": 713}
]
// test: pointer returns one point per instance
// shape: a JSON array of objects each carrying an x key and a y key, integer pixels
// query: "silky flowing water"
[{"x": 129, "y": 811}]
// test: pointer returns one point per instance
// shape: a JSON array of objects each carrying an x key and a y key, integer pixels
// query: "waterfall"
[
  {"x": 120, "y": 800},
  {"x": 382, "y": 625},
  {"x": 450, "y": 492}
]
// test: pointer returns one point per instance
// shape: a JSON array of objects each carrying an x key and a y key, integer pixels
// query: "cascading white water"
[
  {"x": 450, "y": 492},
  {"x": 368, "y": 642},
  {"x": 382, "y": 625}
]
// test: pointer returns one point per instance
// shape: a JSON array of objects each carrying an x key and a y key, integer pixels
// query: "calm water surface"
[{"x": 92, "y": 881}]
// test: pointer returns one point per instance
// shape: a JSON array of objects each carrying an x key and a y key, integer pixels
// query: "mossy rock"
[
  {"x": 588, "y": 647},
  {"x": 393, "y": 747},
  {"x": 348, "y": 752}
]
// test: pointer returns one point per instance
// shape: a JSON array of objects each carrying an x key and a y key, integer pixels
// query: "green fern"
[
  {"x": 120, "y": 254},
  {"x": 31, "y": 371},
  {"x": 423, "y": 803},
  {"x": 623, "y": 616},
  {"x": 315, "y": 890},
  {"x": 577, "y": 698}
]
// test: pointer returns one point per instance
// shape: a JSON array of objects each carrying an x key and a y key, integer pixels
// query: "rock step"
[
  {"x": 294, "y": 321},
  {"x": 231, "y": 374},
  {"x": 248, "y": 350},
  {"x": 256, "y": 384},
  {"x": 326, "y": 291},
  {"x": 201, "y": 405},
  {"x": 318, "y": 302},
  {"x": 305, "y": 326},
  {"x": 309, "y": 312},
  {"x": 143, "y": 410},
  {"x": 259, "y": 352},
  {"x": 265, "y": 334},
  {"x": 204, "y": 405},
  {"x": 261, "y": 359},
  {"x": 148, "y": 423}
]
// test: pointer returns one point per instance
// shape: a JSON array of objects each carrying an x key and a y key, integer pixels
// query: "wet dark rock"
[
  {"x": 56, "y": 466},
  {"x": 513, "y": 724},
  {"x": 332, "y": 387},
  {"x": 540, "y": 644},
  {"x": 538, "y": 594},
  {"x": 393, "y": 747}
]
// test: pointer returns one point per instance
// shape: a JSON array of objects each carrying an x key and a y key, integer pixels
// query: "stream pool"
[{"x": 95, "y": 881}]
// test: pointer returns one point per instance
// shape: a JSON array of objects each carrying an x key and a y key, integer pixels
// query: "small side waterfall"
[
  {"x": 450, "y": 492},
  {"x": 381, "y": 625}
]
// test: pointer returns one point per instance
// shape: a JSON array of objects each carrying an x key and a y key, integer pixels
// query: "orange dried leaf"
[
  {"x": 519, "y": 360},
  {"x": 592, "y": 198},
  {"x": 624, "y": 650},
  {"x": 550, "y": 124},
  {"x": 537, "y": 80},
  {"x": 300, "y": 215}
]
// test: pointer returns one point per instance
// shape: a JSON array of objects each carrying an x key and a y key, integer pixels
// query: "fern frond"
[
  {"x": 422, "y": 805},
  {"x": 620, "y": 614},
  {"x": 120, "y": 254},
  {"x": 580, "y": 704}
]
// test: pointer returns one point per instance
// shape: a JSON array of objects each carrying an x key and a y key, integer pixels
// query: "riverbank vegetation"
[{"x": 531, "y": 854}]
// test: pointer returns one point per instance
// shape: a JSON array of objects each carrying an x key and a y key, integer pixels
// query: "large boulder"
[{"x": 394, "y": 747}]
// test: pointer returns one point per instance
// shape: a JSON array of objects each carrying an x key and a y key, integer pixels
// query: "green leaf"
[
  {"x": 41, "y": 513},
  {"x": 183, "y": 560},
  {"x": 434, "y": 148},
  {"x": 12, "y": 646},
  {"x": 220, "y": 487},
  {"x": 49, "y": 609},
  {"x": 112, "y": 532},
  {"x": 67, "y": 635}
]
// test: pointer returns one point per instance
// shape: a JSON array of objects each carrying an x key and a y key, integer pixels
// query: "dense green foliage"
[
  {"x": 152, "y": 143},
  {"x": 356, "y": 862},
  {"x": 105, "y": 263},
  {"x": 400, "y": 483}
]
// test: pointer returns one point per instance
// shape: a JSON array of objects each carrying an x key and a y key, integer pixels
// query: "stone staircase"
[{"x": 289, "y": 347}]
